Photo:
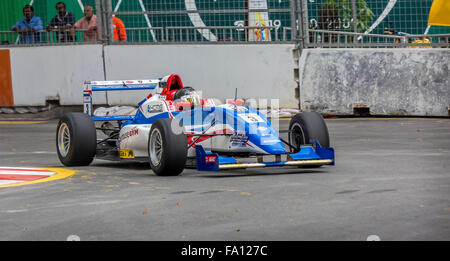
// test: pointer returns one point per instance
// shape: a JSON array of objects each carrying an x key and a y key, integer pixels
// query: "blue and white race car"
[{"x": 174, "y": 128}]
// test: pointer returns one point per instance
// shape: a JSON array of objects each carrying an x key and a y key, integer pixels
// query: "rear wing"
[{"x": 103, "y": 86}]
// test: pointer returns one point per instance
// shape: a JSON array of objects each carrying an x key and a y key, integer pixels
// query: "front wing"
[{"x": 310, "y": 155}]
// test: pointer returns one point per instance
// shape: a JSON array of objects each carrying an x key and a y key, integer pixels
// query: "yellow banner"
[{"x": 440, "y": 13}]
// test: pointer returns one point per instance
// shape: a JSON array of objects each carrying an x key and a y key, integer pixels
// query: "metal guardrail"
[
  {"x": 436, "y": 40},
  {"x": 42, "y": 37},
  {"x": 241, "y": 34},
  {"x": 187, "y": 34},
  {"x": 338, "y": 39},
  {"x": 145, "y": 35},
  {"x": 218, "y": 33},
  {"x": 206, "y": 34}
]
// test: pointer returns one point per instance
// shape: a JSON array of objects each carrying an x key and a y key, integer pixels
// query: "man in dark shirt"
[{"x": 62, "y": 23}]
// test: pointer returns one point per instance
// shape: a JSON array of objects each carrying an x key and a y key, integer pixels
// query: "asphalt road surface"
[{"x": 391, "y": 179}]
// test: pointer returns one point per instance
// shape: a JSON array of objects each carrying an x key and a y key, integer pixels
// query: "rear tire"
[
  {"x": 167, "y": 147},
  {"x": 76, "y": 139}
]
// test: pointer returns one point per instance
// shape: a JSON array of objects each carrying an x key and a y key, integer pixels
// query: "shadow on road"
[
  {"x": 130, "y": 167},
  {"x": 262, "y": 172}
]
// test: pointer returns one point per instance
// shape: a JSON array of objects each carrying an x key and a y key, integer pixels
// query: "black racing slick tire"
[
  {"x": 167, "y": 147},
  {"x": 306, "y": 126},
  {"x": 76, "y": 139}
]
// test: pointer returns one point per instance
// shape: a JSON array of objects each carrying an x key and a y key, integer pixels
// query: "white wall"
[
  {"x": 38, "y": 72},
  {"x": 258, "y": 71}
]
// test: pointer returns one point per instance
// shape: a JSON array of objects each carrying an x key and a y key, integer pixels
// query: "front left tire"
[{"x": 167, "y": 147}]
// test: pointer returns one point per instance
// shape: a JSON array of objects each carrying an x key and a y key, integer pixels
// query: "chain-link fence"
[
  {"x": 371, "y": 23},
  {"x": 40, "y": 27},
  {"x": 311, "y": 23},
  {"x": 152, "y": 21},
  {"x": 369, "y": 16},
  {"x": 206, "y": 20}
]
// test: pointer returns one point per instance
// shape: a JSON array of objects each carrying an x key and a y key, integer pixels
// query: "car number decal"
[{"x": 251, "y": 117}]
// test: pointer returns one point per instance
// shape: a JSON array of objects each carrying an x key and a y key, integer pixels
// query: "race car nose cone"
[
  {"x": 275, "y": 149},
  {"x": 271, "y": 145}
]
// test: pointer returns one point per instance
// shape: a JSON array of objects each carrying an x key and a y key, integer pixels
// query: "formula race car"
[{"x": 175, "y": 128}]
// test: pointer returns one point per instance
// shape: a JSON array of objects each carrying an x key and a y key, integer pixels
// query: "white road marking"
[
  {"x": 9, "y": 182},
  {"x": 31, "y": 173},
  {"x": 22, "y": 168},
  {"x": 16, "y": 211},
  {"x": 13, "y": 175},
  {"x": 25, "y": 152}
]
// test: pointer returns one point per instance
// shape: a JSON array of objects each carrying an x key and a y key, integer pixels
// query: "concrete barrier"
[
  {"x": 388, "y": 81},
  {"x": 40, "y": 73},
  {"x": 258, "y": 71}
]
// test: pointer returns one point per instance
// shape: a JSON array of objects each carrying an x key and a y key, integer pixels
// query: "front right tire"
[{"x": 306, "y": 126}]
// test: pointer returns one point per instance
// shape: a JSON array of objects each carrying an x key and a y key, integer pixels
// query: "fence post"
[
  {"x": 293, "y": 20},
  {"x": 304, "y": 21},
  {"x": 355, "y": 21},
  {"x": 108, "y": 21},
  {"x": 99, "y": 14},
  {"x": 298, "y": 22}
]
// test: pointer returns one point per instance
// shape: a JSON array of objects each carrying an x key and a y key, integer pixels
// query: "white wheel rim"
[
  {"x": 63, "y": 139},
  {"x": 156, "y": 147}
]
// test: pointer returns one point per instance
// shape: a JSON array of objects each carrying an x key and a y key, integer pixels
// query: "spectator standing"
[
  {"x": 63, "y": 21},
  {"x": 28, "y": 26},
  {"x": 120, "y": 34},
  {"x": 88, "y": 22}
]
